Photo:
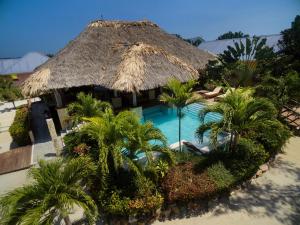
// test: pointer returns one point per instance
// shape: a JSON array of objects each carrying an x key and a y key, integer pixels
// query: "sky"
[{"x": 48, "y": 25}]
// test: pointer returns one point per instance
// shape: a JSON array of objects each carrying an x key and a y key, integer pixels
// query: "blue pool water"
[{"x": 166, "y": 120}]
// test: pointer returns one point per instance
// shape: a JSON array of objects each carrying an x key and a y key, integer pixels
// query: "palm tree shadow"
[{"x": 279, "y": 200}]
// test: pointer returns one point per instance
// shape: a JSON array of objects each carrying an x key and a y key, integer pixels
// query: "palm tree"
[
  {"x": 180, "y": 95},
  {"x": 108, "y": 130},
  {"x": 86, "y": 106},
  {"x": 120, "y": 138},
  {"x": 145, "y": 138},
  {"x": 55, "y": 190},
  {"x": 241, "y": 112}
]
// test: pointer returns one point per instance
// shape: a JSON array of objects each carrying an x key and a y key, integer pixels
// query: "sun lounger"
[
  {"x": 198, "y": 149},
  {"x": 224, "y": 95},
  {"x": 217, "y": 91}
]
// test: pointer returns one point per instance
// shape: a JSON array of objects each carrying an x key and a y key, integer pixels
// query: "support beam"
[
  {"x": 58, "y": 99},
  {"x": 115, "y": 93},
  {"x": 161, "y": 89},
  {"x": 134, "y": 100}
]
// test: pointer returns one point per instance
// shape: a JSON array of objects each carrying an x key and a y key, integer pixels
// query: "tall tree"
[
  {"x": 180, "y": 95},
  {"x": 55, "y": 190},
  {"x": 290, "y": 45},
  {"x": 238, "y": 64},
  {"x": 241, "y": 112},
  {"x": 231, "y": 35}
]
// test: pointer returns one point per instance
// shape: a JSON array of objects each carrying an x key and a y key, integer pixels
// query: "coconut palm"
[
  {"x": 108, "y": 130},
  {"x": 241, "y": 112},
  {"x": 120, "y": 138},
  {"x": 180, "y": 95},
  {"x": 55, "y": 190},
  {"x": 86, "y": 106},
  {"x": 145, "y": 138}
]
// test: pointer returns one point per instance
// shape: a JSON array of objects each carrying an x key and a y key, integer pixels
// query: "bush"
[
  {"x": 19, "y": 130},
  {"x": 221, "y": 176},
  {"x": 273, "y": 137},
  {"x": 117, "y": 205},
  {"x": 244, "y": 163},
  {"x": 184, "y": 183},
  {"x": 123, "y": 206},
  {"x": 77, "y": 144},
  {"x": 182, "y": 157}
]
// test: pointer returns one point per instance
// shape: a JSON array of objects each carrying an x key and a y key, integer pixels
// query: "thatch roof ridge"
[
  {"x": 132, "y": 70},
  {"x": 120, "y": 23},
  {"x": 98, "y": 54}
]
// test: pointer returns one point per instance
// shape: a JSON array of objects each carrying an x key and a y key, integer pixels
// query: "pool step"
[{"x": 194, "y": 109}]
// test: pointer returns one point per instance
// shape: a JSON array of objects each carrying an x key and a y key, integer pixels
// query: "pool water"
[{"x": 166, "y": 120}]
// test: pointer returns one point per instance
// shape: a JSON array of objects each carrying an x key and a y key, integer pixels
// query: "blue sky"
[{"x": 48, "y": 25}]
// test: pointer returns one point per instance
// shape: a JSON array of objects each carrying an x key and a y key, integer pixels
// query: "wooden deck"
[{"x": 15, "y": 159}]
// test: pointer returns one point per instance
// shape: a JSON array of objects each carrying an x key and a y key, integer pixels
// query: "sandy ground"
[{"x": 272, "y": 199}]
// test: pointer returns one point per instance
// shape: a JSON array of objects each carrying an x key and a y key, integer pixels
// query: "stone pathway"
[
  {"x": 273, "y": 199},
  {"x": 43, "y": 147}
]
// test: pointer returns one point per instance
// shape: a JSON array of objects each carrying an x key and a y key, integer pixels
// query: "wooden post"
[
  {"x": 134, "y": 101},
  {"x": 115, "y": 93},
  {"x": 53, "y": 135},
  {"x": 58, "y": 99}
]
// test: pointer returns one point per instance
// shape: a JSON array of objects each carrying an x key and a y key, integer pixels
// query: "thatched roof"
[{"x": 124, "y": 56}]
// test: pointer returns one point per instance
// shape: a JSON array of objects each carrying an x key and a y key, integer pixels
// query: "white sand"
[{"x": 273, "y": 199}]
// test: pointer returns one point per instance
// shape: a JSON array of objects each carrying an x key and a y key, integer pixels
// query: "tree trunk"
[
  {"x": 235, "y": 141},
  {"x": 231, "y": 141},
  {"x": 67, "y": 220},
  {"x": 13, "y": 102},
  {"x": 179, "y": 133}
]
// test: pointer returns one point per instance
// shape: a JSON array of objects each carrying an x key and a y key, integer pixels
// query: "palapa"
[{"x": 118, "y": 55}]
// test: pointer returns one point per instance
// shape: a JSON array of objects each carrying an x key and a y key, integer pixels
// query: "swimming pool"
[{"x": 166, "y": 120}]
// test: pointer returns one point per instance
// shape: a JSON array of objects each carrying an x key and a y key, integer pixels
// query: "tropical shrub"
[
  {"x": 86, "y": 106},
  {"x": 19, "y": 130},
  {"x": 77, "y": 143},
  {"x": 124, "y": 206},
  {"x": 183, "y": 183},
  {"x": 244, "y": 163},
  {"x": 139, "y": 196},
  {"x": 221, "y": 176},
  {"x": 280, "y": 89},
  {"x": 273, "y": 138}
]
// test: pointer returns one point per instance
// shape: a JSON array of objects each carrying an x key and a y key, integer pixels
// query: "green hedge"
[{"x": 20, "y": 127}]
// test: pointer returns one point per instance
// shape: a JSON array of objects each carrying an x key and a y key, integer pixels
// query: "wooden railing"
[{"x": 291, "y": 113}]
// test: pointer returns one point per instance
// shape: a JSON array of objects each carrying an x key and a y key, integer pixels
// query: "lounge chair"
[
  {"x": 211, "y": 94},
  {"x": 224, "y": 95},
  {"x": 196, "y": 148}
]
